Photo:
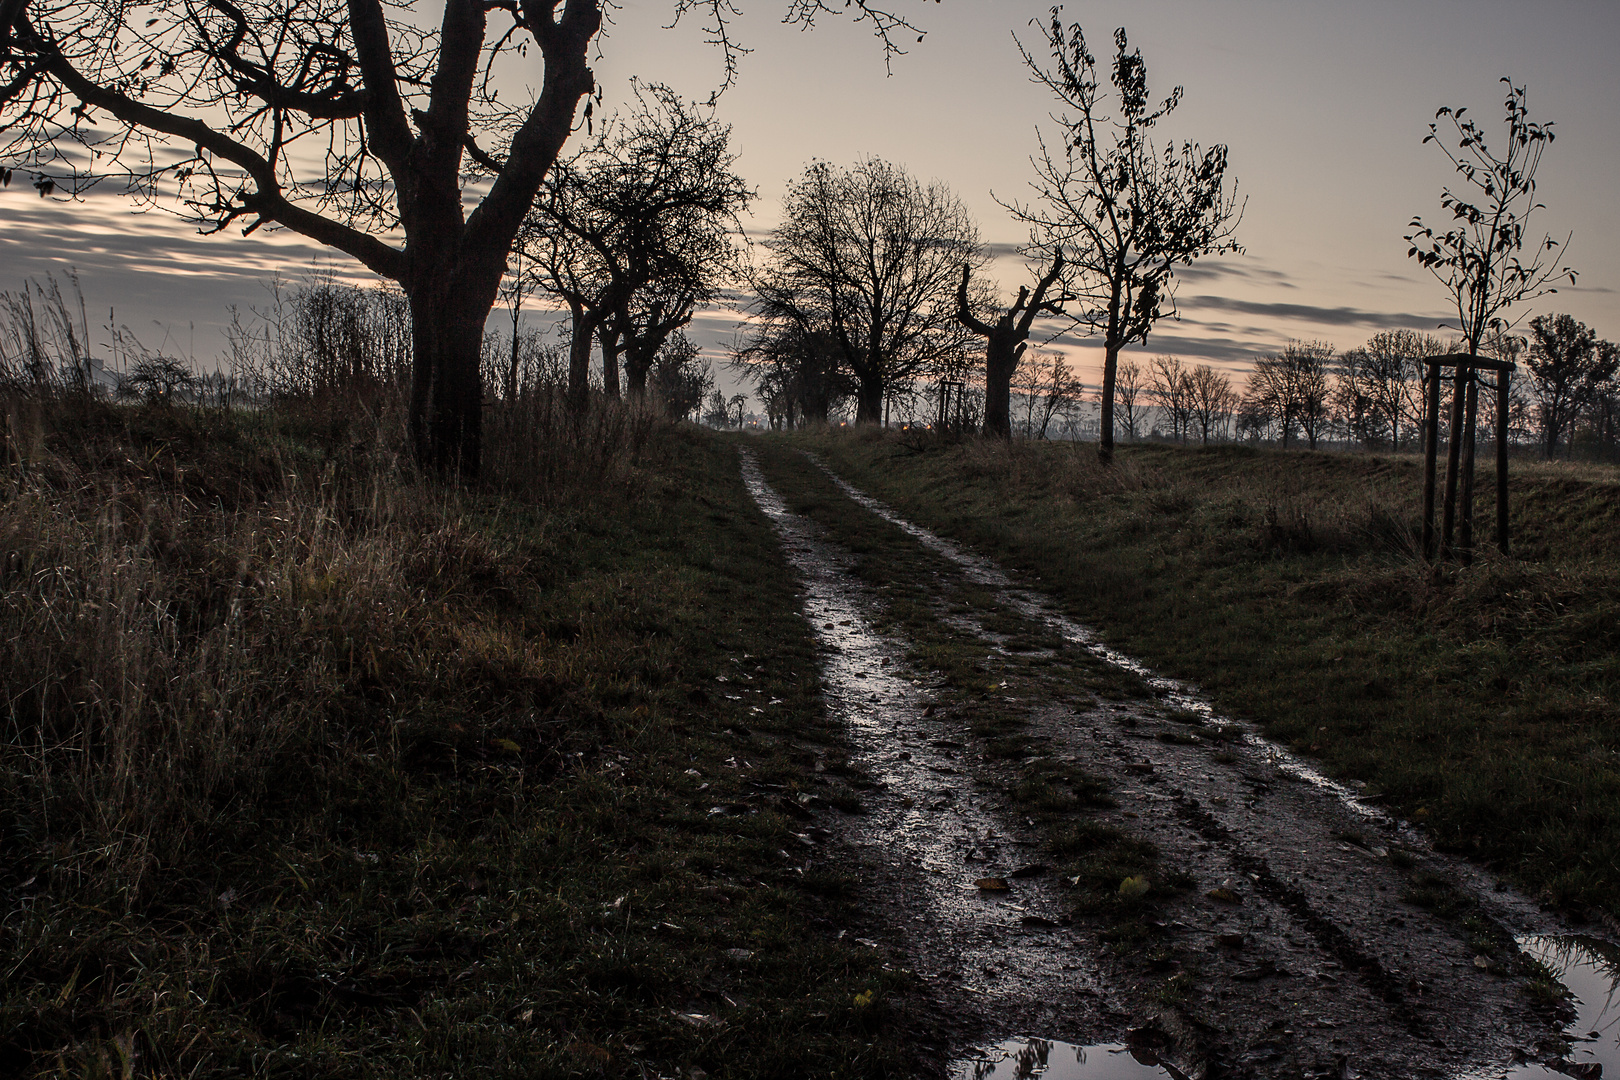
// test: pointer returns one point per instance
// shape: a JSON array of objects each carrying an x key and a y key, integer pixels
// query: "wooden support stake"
[
  {"x": 1431, "y": 453},
  {"x": 1448, "y": 517},
  {"x": 1502, "y": 399},
  {"x": 1465, "y": 537}
]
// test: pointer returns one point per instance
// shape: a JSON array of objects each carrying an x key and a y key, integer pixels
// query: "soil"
[{"x": 1311, "y": 933}]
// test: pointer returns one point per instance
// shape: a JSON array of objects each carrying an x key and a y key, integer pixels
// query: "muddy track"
[{"x": 1290, "y": 947}]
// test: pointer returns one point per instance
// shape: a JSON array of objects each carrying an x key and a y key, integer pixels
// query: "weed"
[{"x": 1176, "y": 989}]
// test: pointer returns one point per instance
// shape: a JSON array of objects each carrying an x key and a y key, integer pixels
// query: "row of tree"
[
  {"x": 1566, "y": 392},
  {"x": 872, "y": 282}
]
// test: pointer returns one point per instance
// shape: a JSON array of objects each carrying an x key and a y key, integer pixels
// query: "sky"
[{"x": 1323, "y": 108}]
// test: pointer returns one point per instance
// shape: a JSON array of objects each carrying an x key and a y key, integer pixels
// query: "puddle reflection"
[
  {"x": 1590, "y": 969},
  {"x": 1023, "y": 1059}
]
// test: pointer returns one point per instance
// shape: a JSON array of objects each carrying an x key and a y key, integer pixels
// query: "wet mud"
[{"x": 1319, "y": 936}]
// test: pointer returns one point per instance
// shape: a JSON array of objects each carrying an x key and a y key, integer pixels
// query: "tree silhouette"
[
  {"x": 1210, "y": 399},
  {"x": 867, "y": 259},
  {"x": 1007, "y": 336},
  {"x": 1570, "y": 369},
  {"x": 343, "y": 120},
  {"x": 1291, "y": 387},
  {"x": 1129, "y": 385},
  {"x": 635, "y": 231},
  {"x": 1480, "y": 258},
  {"x": 1126, "y": 212}
]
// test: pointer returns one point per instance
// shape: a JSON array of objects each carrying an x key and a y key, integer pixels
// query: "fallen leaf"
[
  {"x": 509, "y": 746},
  {"x": 863, "y": 999},
  {"x": 1133, "y": 887},
  {"x": 1224, "y": 895},
  {"x": 993, "y": 884}
]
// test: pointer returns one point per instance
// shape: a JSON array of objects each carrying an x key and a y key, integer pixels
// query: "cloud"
[
  {"x": 1000, "y": 250},
  {"x": 1228, "y": 269},
  {"x": 1311, "y": 313}
]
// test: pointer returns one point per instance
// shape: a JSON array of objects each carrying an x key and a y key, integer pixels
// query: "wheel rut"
[{"x": 1282, "y": 942}]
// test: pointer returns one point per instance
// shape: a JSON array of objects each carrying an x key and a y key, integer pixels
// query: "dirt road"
[{"x": 1290, "y": 928}]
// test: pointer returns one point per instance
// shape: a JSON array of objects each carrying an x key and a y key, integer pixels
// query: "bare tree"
[
  {"x": 343, "y": 120},
  {"x": 1167, "y": 381},
  {"x": 635, "y": 231},
  {"x": 867, "y": 259},
  {"x": 800, "y": 371},
  {"x": 1291, "y": 387},
  {"x": 1571, "y": 370},
  {"x": 1355, "y": 409},
  {"x": 1129, "y": 386},
  {"x": 1211, "y": 400},
  {"x": 1057, "y": 391},
  {"x": 1007, "y": 335},
  {"x": 1127, "y": 212},
  {"x": 1388, "y": 372}
]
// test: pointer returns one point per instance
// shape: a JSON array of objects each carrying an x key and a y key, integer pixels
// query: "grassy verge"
[
  {"x": 1480, "y": 702},
  {"x": 308, "y": 770}
]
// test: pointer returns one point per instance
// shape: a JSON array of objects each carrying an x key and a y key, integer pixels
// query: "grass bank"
[
  {"x": 1479, "y": 702},
  {"x": 309, "y": 769}
]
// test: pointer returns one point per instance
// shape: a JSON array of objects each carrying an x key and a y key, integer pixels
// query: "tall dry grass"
[
  {"x": 209, "y": 608},
  {"x": 173, "y": 663}
]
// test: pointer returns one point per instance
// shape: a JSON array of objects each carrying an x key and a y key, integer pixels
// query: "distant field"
[{"x": 1480, "y": 701}]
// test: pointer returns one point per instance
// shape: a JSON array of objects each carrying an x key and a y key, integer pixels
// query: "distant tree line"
[{"x": 1565, "y": 397}]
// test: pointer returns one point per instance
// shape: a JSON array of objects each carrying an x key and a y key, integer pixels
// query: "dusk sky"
[{"x": 1324, "y": 108}]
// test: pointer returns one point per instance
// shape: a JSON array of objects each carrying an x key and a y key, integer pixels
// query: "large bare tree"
[
  {"x": 370, "y": 126},
  {"x": 1126, "y": 210},
  {"x": 867, "y": 258}
]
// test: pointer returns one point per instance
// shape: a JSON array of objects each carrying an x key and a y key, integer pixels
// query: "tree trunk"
[
  {"x": 637, "y": 363},
  {"x": 1105, "y": 432},
  {"x": 869, "y": 401},
  {"x": 447, "y": 332},
  {"x": 612, "y": 346},
  {"x": 1000, "y": 361},
  {"x": 579, "y": 359}
]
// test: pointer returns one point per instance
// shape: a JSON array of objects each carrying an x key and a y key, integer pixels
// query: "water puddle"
[
  {"x": 1024, "y": 1059},
  {"x": 1590, "y": 970}
]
